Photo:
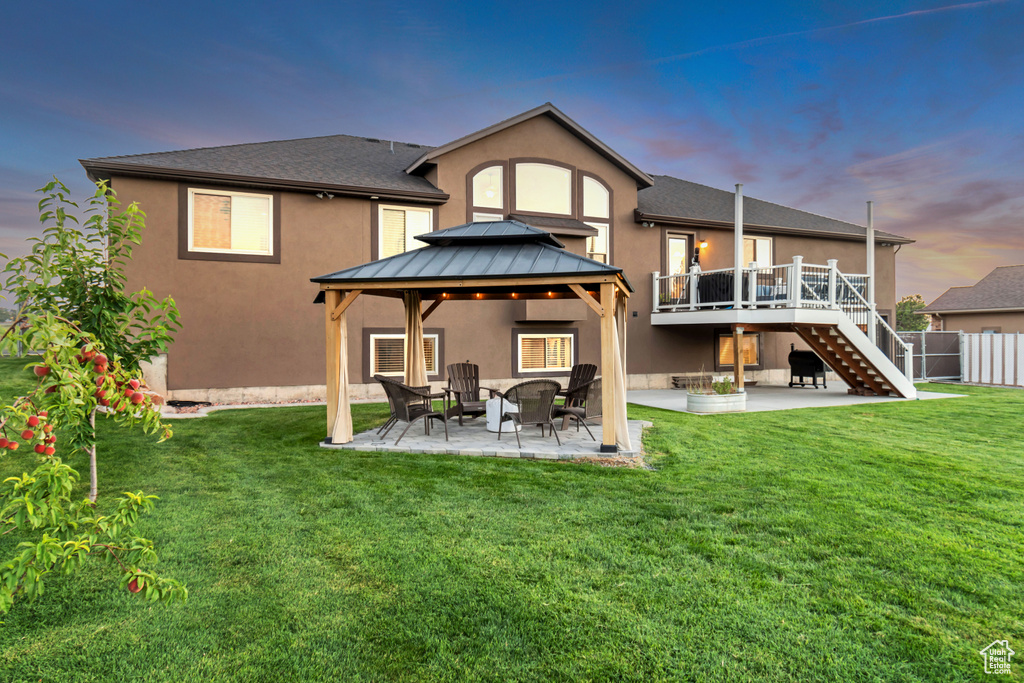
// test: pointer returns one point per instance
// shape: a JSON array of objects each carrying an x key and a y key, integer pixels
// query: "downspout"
[{"x": 737, "y": 280}]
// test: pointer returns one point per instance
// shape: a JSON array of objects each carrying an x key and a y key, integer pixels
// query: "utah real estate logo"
[{"x": 997, "y": 657}]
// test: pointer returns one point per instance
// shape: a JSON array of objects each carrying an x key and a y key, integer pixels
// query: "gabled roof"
[
  {"x": 674, "y": 199},
  {"x": 477, "y": 251},
  {"x": 1003, "y": 288},
  {"x": 551, "y": 111},
  {"x": 334, "y": 162}
]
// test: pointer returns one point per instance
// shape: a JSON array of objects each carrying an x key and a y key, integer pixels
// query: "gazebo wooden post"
[
  {"x": 332, "y": 299},
  {"x": 608, "y": 393}
]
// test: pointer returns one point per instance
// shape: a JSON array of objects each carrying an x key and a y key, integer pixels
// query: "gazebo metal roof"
[{"x": 477, "y": 251}]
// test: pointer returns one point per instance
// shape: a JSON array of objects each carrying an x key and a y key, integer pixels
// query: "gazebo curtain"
[
  {"x": 619, "y": 411},
  {"x": 342, "y": 432},
  {"x": 415, "y": 360}
]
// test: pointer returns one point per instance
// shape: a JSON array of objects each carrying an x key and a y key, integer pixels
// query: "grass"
[{"x": 865, "y": 543}]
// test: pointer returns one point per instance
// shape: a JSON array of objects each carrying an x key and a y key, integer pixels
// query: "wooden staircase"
[{"x": 849, "y": 352}]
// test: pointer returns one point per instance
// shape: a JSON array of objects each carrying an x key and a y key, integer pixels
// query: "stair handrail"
[{"x": 901, "y": 348}]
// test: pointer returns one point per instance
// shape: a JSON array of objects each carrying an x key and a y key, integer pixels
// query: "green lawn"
[{"x": 869, "y": 543}]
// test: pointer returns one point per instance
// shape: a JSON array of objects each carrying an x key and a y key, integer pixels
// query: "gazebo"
[{"x": 503, "y": 260}]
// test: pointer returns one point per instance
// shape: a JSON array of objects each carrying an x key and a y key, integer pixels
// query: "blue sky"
[{"x": 823, "y": 106}]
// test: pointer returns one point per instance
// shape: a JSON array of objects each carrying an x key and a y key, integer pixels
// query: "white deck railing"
[{"x": 791, "y": 285}]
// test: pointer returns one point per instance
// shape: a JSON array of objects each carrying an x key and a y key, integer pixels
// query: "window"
[
  {"x": 597, "y": 245},
  {"x": 678, "y": 254},
  {"x": 751, "y": 349},
  {"x": 230, "y": 222},
  {"x": 545, "y": 352},
  {"x": 487, "y": 188},
  {"x": 485, "y": 217},
  {"x": 757, "y": 250},
  {"x": 595, "y": 198},
  {"x": 399, "y": 226},
  {"x": 543, "y": 188},
  {"x": 387, "y": 354}
]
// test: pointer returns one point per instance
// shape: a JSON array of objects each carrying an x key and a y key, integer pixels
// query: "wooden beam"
[
  {"x": 431, "y": 308},
  {"x": 737, "y": 356},
  {"x": 345, "y": 303},
  {"x": 608, "y": 394},
  {"x": 587, "y": 299},
  {"x": 467, "y": 283},
  {"x": 333, "y": 336}
]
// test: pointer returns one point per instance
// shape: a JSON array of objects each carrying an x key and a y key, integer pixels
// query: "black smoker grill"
[{"x": 805, "y": 364}]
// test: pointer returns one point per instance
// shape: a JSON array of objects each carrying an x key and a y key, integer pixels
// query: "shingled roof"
[
  {"x": 334, "y": 162},
  {"x": 477, "y": 251},
  {"x": 1003, "y": 288},
  {"x": 672, "y": 198}
]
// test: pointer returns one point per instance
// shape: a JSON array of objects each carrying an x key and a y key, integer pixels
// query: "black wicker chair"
[
  {"x": 464, "y": 389},
  {"x": 391, "y": 405},
  {"x": 534, "y": 400},
  {"x": 409, "y": 404},
  {"x": 583, "y": 404}
]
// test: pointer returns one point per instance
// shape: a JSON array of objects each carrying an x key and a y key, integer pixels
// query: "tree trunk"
[{"x": 93, "y": 478}]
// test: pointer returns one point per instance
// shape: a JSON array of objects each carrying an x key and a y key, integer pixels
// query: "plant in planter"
[{"x": 706, "y": 394}]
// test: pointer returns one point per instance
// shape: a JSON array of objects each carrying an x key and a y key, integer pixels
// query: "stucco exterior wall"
[
  {"x": 1012, "y": 321},
  {"x": 253, "y": 325}
]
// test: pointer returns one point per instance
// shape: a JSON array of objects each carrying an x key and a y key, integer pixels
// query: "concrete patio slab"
[
  {"x": 765, "y": 398},
  {"x": 472, "y": 438}
]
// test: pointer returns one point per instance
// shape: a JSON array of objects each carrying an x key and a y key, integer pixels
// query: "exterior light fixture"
[{"x": 703, "y": 244}]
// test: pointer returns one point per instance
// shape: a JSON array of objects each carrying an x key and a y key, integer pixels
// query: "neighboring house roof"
[
  {"x": 475, "y": 251},
  {"x": 551, "y": 111},
  {"x": 333, "y": 162},
  {"x": 671, "y": 199},
  {"x": 1002, "y": 289}
]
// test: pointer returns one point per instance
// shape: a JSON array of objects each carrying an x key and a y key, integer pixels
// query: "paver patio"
[{"x": 472, "y": 438}]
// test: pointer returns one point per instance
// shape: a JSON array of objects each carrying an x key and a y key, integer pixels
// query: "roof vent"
[{"x": 372, "y": 140}]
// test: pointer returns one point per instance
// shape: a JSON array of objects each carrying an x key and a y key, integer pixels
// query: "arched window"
[
  {"x": 487, "y": 189},
  {"x": 595, "y": 198},
  {"x": 543, "y": 188}
]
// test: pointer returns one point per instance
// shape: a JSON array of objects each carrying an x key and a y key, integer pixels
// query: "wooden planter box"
[{"x": 716, "y": 403}]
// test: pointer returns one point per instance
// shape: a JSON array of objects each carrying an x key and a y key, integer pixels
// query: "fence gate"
[
  {"x": 994, "y": 359},
  {"x": 936, "y": 355}
]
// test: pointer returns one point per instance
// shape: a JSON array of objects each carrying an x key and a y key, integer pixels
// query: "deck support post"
[
  {"x": 608, "y": 393},
  {"x": 737, "y": 278},
  {"x": 872, "y": 329},
  {"x": 737, "y": 353}
]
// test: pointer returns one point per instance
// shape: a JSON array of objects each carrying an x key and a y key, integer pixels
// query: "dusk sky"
[{"x": 916, "y": 105}]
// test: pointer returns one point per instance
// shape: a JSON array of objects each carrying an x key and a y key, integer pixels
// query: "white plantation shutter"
[
  {"x": 725, "y": 349},
  {"x": 392, "y": 232},
  {"x": 250, "y": 224},
  {"x": 388, "y": 354},
  {"x": 545, "y": 353},
  {"x": 416, "y": 223},
  {"x": 230, "y": 222}
]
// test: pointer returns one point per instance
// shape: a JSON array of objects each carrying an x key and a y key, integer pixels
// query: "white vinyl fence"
[{"x": 993, "y": 359}]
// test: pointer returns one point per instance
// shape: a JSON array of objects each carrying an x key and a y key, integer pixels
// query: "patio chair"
[
  {"x": 581, "y": 405},
  {"x": 409, "y": 404},
  {"x": 534, "y": 401},
  {"x": 464, "y": 388},
  {"x": 391, "y": 405},
  {"x": 580, "y": 375}
]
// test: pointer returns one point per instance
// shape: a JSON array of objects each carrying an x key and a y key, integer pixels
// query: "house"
[
  {"x": 994, "y": 304},
  {"x": 235, "y": 233}
]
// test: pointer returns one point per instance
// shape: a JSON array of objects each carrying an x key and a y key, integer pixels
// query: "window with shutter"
[
  {"x": 387, "y": 354},
  {"x": 230, "y": 222},
  {"x": 545, "y": 352},
  {"x": 399, "y": 227},
  {"x": 751, "y": 346}
]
